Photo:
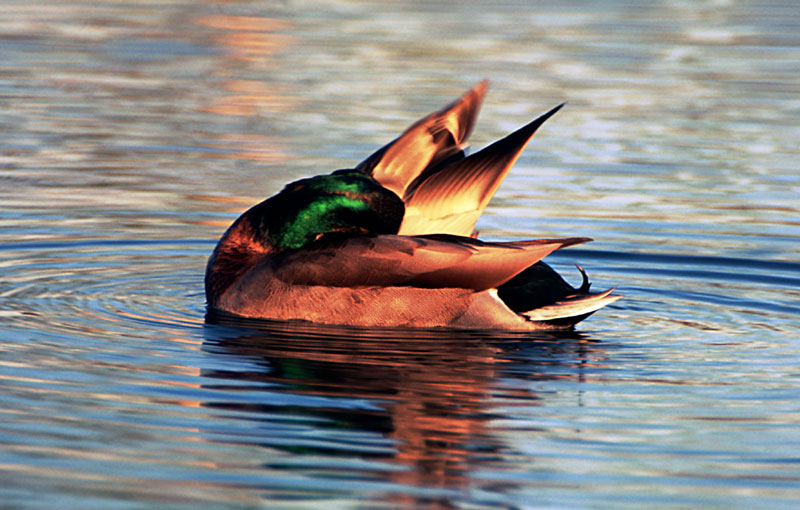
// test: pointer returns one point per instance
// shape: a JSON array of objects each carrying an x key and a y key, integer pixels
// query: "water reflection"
[
  {"x": 247, "y": 43},
  {"x": 247, "y": 37},
  {"x": 429, "y": 397}
]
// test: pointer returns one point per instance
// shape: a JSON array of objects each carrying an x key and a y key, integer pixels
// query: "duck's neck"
[{"x": 237, "y": 251}]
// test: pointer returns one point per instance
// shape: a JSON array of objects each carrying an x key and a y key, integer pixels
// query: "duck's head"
[{"x": 345, "y": 201}]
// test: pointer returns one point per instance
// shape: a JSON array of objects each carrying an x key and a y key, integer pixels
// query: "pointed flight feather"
[
  {"x": 426, "y": 144},
  {"x": 452, "y": 199},
  {"x": 493, "y": 264}
]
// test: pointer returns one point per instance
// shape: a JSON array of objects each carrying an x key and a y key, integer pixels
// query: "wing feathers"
[
  {"x": 426, "y": 144},
  {"x": 418, "y": 261},
  {"x": 492, "y": 264},
  {"x": 464, "y": 188}
]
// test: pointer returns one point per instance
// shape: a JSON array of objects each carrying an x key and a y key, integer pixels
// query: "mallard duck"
[{"x": 390, "y": 242}]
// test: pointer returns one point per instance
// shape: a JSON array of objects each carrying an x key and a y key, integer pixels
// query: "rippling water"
[{"x": 135, "y": 132}]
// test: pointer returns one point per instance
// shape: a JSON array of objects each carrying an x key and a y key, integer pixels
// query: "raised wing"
[
  {"x": 440, "y": 261},
  {"x": 426, "y": 144},
  {"x": 452, "y": 199}
]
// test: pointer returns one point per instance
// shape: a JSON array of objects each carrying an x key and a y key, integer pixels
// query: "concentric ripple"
[
  {"x": 104, "y": 286},
  {"x": 108, "y": 286},
  {"x": 671, "y": 292}
]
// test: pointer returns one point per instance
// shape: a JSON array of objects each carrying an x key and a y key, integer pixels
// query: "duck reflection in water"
[{"x": 420, "y": 400}]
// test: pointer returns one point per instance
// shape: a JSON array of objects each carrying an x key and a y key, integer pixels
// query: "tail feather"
[{"x": 577, "y": 306}]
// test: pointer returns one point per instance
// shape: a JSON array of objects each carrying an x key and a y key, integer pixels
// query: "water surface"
[{"x": 135, "y": 132}]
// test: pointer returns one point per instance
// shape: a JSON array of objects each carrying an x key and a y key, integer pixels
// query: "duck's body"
[{"x": 386, "y": 244}]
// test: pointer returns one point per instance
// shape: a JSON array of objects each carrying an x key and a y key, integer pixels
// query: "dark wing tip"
[
  {"x": 571, "y": 241},
  {"x": 541, "y": 119},
  {"x": 564, "y": 241}
]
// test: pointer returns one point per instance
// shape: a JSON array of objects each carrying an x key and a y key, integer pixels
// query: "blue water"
[{"x": 134, "y": 133}]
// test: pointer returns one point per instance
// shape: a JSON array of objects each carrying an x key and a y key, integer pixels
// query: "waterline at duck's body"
[{"x": 388, "y": 244}]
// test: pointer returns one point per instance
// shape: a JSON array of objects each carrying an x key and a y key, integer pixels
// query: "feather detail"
[
  {"x": 578, "y": 306},
  {"x": 452, "y": 199},
  {"x": 426, "y": 144},
  {"x": 440, "y": 261}
]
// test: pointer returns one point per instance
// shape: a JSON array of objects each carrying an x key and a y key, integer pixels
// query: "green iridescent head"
[{"x": 345, "y": 201}]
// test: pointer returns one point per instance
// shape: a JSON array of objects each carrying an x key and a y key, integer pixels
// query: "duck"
[{"x": 391, "y": 242}]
